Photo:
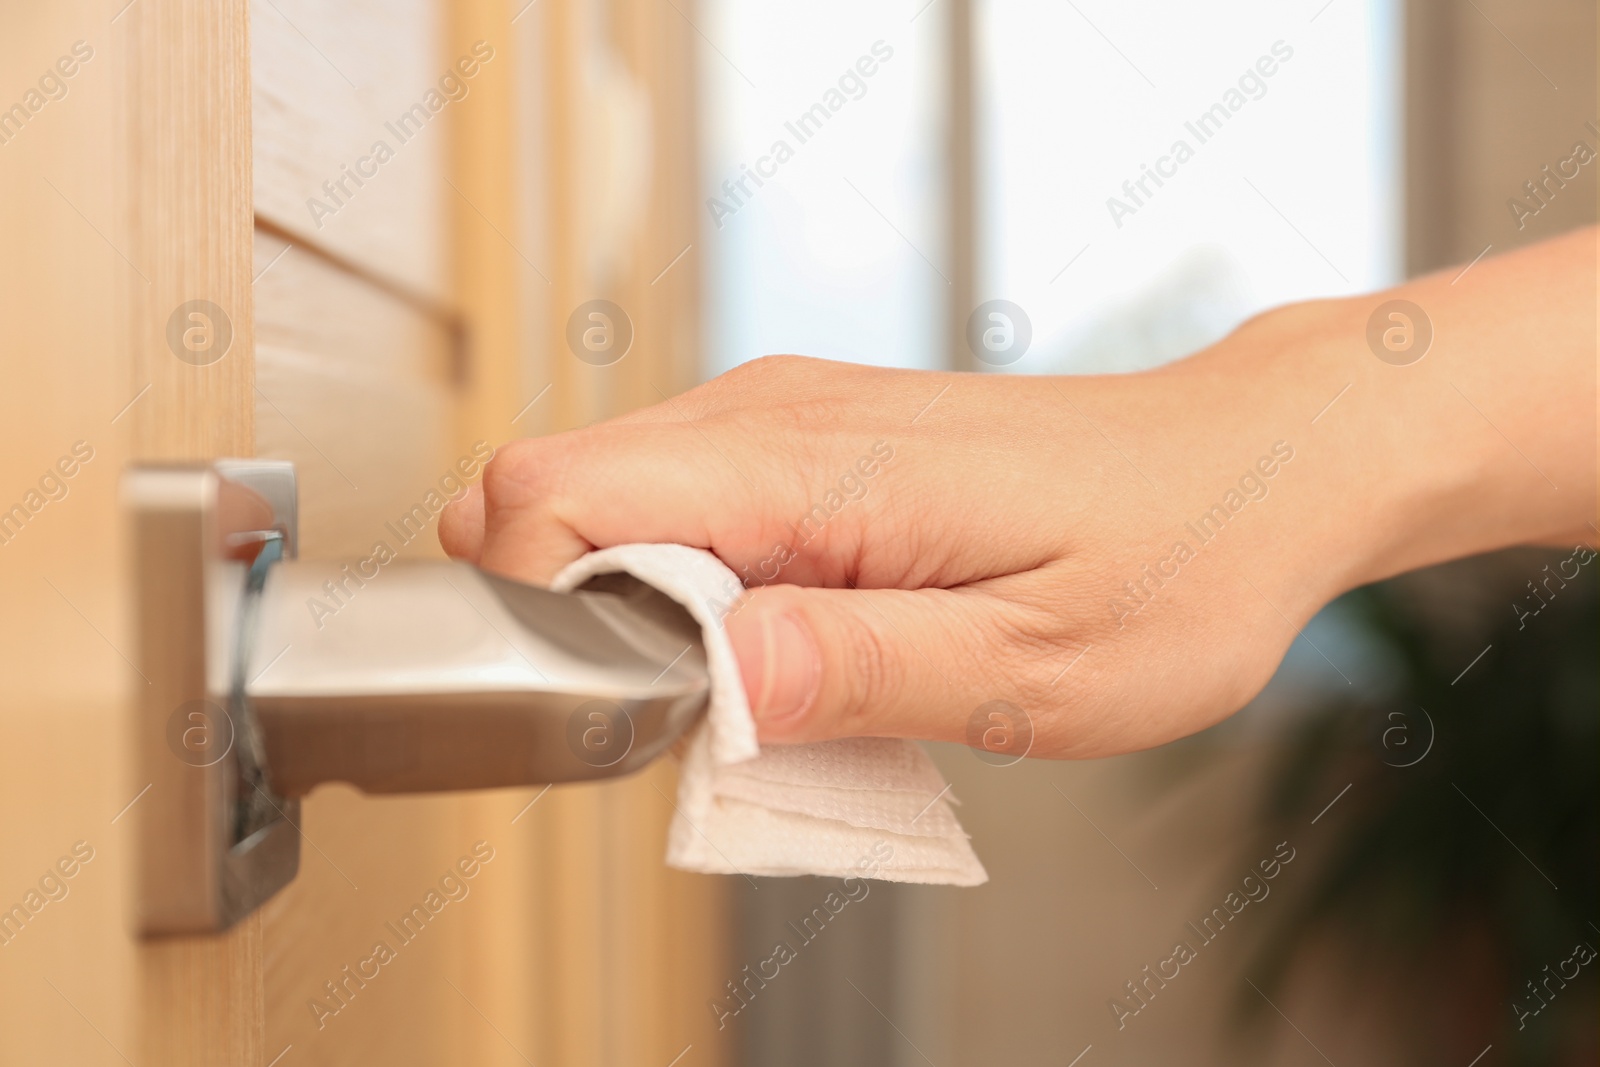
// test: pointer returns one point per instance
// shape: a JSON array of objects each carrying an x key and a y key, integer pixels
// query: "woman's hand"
[{"x": 1125, "y": 558}]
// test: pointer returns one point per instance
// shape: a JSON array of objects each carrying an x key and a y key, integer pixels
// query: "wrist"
[
  {"x": 1356, "y": 467},
  {"x": 1398, "y": 465},
  {"x": 1244, "y": 469}
]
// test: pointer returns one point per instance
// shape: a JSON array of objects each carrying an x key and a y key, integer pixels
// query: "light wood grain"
[
  {"x": 507, "y": 975},
  {"x": 120, "y": 200},
  {"x": 188, "y": 140},
  {"x": 187, "y": 121},
  {"x": 634, "y": 949},
  {"x": 359, "y": 382},
  {"x": 352, "y": 385},
  {"x": 662, "y": 285},
  {"x": 575, "y": 945},
  {"x": 331, "y": 79},
  {"x": 365, "y": 863},
  {"x": 681, "y": 926},
  {"x": 355, "y": 386}
]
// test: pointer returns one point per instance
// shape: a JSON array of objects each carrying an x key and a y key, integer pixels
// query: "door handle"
[{"x": 268, "y": 675}]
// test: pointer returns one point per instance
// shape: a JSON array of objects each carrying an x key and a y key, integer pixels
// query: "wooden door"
[
  {"x": 378, "y": 327},
  {"x": 68, "y": 971}
]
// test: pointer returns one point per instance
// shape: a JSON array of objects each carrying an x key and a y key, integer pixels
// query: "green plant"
[{"x": 1463, "y": 875}]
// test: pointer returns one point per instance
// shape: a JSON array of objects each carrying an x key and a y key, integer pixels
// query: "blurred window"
[
  {"x": 840, "y": 251},
  {"x": 1289, "y": 187}
]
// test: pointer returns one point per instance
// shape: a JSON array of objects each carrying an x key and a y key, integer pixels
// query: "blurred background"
[
  {"x": 976, "y": 167},
  {"x": 1420, "y": 775}
]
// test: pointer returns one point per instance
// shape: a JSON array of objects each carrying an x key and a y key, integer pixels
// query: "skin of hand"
[{"x": 1017, "y": 537}]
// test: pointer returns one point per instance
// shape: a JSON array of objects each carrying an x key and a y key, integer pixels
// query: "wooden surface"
[
  {"x": 508, "y": 977},
  {"x": 187, "y": 135},
  {"x": 133, "y": 195},
  {"x": 576, "y": 945},
  {"x": 187, "y": 132},
  {"x": 353, "y": 385},
  {"x": 679, "y": 922},
  {"x": 357, "y": 384},
  {"x": 120, "y": 200},
  {"x": 330, "y": 80},
  {"x": 634, "y": 949}
]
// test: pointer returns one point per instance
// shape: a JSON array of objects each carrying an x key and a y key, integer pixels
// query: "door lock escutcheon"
[{"x": 269, "y": 675}]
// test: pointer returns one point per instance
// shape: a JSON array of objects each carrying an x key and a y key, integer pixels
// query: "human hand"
[
  {"x": 1126, "y": 558},
  {"x": 920, "y": 544}
]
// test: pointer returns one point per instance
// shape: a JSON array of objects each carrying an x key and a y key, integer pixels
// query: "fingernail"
[{"x": 780, "y": 663}]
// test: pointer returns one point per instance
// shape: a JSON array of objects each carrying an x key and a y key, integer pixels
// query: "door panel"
[
  {"x": 331, "y": 82},
  {"x": 185, "y": 199},
  {"x": 411, "y": 324},
  {"x": 637, "y": 950},
  {"x": 353, "y": 385},
  {"x": 365, "y": 864}
]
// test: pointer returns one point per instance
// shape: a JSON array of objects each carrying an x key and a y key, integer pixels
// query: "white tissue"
[{"x": 859, "y": 807}]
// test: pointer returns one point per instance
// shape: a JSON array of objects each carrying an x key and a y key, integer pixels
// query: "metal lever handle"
[
  {"x": 267, "y": 678},
  {"x": 434, "y": 676}
]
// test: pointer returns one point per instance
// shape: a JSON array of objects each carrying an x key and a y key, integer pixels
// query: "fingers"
[
  {"x": 822, "y": 663},
  {"x": 461, "y": 525},
  {"x": 545, "y": 502}
]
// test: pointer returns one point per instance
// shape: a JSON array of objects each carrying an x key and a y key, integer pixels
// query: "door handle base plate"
[{"x": 195, "y": 873}]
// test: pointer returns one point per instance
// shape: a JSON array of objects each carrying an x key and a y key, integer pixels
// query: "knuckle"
[
  {"x": 774, "y": 366},
  {"x": 873, "y": 673},
  {"x": 517, "y": 473},
  {"x": 780, "y": 391},
  {"x": 1030, "y": 647},
  {"x": 768, "y": 370}
]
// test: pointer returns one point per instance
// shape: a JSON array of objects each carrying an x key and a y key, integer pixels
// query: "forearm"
[{"x": 1487, "y": 440}]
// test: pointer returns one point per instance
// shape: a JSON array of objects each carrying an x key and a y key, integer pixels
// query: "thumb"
[{"x": 825, "y": 663}]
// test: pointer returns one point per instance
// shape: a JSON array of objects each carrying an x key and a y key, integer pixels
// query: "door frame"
[{"x": 185, "y": 147}]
